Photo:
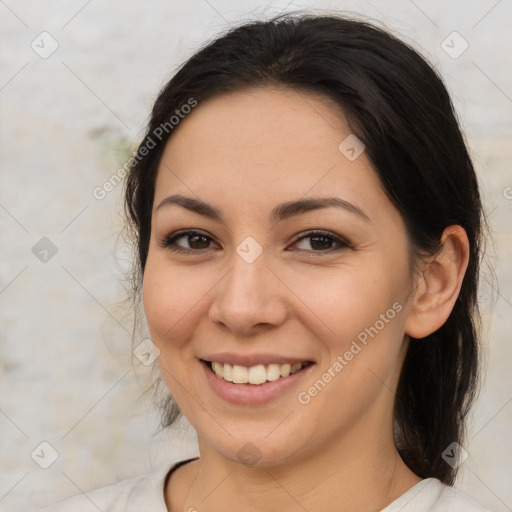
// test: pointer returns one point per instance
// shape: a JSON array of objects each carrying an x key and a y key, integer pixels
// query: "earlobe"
[{"x": 439, "y": 284}]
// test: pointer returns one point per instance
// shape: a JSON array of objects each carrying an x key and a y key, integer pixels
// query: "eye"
[
  {"x": 320, "y": 241},
  {"x": 194, "y": 241}
]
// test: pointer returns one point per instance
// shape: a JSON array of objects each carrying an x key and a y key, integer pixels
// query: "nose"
[{"x": 250, "y": 298}]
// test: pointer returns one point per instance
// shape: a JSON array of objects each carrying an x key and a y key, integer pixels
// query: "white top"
[{"x": 146, "y": 494}]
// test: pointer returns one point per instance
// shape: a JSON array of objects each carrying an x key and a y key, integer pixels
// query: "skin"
[{"x": 244, "y": 153}]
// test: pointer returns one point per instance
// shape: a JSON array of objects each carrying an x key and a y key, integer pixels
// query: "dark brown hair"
[{"x": 398, "y": 106}]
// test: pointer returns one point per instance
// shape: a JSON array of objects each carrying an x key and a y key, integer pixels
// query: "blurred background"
[{"x": 77, "y": 80}]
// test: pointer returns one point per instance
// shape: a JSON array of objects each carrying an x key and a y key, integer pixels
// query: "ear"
[{"x": 439, "y": 284}]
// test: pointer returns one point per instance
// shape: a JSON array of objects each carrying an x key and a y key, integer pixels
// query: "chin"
[{"x": 253, "y": 448}]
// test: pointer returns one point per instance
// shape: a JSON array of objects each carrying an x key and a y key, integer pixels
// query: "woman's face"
[{"x": 257, "y": 291}]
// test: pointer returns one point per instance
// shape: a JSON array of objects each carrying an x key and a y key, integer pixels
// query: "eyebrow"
[{"x": 278, "y": 213}]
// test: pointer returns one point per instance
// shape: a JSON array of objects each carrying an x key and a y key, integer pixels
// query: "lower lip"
[{"x": 250, "y": 394}]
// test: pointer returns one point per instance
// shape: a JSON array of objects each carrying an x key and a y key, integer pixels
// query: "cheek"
[
  {"x": 345, "y": 300},
  {"x": 165, "y": 301},
  {"x": 174, "y": 298},
  {"x": 171, "y": 304},
  {"x": 358, "y": 313}
]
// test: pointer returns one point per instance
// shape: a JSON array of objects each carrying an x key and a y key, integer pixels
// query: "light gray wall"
[{"x": 66, "y": 120}]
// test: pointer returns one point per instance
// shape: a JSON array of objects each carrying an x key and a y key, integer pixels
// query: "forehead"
[{"x": 260, "y": 144}]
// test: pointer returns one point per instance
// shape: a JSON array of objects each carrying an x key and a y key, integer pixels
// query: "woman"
[{"x": 307, "y": 223}]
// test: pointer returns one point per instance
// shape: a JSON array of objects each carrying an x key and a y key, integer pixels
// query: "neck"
[{"x": 359, "y": 476}]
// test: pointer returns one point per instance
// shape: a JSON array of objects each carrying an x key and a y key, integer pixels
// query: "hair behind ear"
[{"x": 440, "y": 370}]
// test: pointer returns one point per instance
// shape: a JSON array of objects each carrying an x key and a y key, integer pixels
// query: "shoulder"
[
  {"x": 431, "y": 495},
  {"x": 451, "y": 499},
  {"x": 143, "y": 492}
]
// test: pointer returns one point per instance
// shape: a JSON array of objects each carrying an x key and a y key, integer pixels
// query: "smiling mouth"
[{"x": 255, "y": 375}]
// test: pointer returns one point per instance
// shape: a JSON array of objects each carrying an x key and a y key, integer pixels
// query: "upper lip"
[{"x": 249, "y": 360}]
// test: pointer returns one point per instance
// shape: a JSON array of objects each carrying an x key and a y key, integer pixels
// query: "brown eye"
[
  {"x": 189, "y": 241},
  {"x": 320, "y": 242},
  {"x": 197, "y": 241}
]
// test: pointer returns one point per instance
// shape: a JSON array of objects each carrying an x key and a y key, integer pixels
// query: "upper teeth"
[{"x": 255, "y": 374}]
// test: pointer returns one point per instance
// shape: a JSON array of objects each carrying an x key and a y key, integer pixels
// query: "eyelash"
[{"x": 167, "y": 243}]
